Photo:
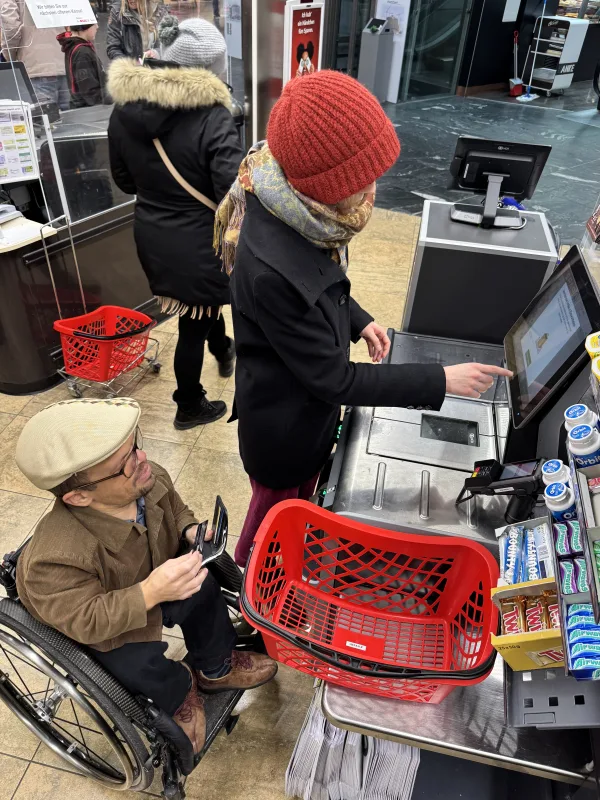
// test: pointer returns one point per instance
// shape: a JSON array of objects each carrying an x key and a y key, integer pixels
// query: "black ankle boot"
[
  {"x": 199, "y": 412},
  {"x": 227, "y": 363}
]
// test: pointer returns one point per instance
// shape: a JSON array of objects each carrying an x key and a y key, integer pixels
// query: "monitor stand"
[{"x": 488, "y": 215}]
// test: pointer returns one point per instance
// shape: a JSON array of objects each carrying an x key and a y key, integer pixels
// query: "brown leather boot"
[
  {"x": 248, "y": 670},
  {"x": 190, "y": 716}
]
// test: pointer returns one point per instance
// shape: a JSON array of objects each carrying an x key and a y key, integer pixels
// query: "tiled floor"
[
  {"x": 428, "y": 130},
  {"x": 203, "y": 463}
]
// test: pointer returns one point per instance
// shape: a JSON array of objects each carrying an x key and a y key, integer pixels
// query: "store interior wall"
[{"x": 488, "y": 56}]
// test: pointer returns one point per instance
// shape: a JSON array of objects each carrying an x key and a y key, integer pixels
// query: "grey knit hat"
[{"x": 193, "y": 43}]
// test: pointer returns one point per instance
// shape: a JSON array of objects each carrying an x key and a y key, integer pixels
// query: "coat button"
[{"x": 342, "y": 299}]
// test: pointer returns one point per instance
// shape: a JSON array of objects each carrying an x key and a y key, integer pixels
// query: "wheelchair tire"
[{"x": 99, "y": 686}]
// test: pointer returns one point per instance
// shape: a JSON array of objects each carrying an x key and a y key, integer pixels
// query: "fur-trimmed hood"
[
  {"x": 150, "y": 100},
  {"x": 182, "y": 88}
]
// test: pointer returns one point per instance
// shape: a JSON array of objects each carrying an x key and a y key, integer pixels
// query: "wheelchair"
[{"x": 74, "y": 706}]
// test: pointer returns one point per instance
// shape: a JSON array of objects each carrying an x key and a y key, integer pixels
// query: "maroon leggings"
[{"x": 262, "y": 501}]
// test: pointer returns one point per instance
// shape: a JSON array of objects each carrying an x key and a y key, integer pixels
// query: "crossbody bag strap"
[{"x": 180, "y": 179}]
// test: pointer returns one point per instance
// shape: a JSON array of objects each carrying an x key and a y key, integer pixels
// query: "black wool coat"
[
  {"x": 188, "y": 110},
  {"x": 293, "y": 319}
]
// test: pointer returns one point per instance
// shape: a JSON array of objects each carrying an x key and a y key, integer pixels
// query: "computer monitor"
[
  {"x": 15, "y": 84},
  {"x": 545, "y": 347},
  {"x": 489, "y": 167}
]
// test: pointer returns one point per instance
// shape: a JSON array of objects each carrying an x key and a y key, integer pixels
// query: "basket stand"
[{"x": 116, "y": 386}]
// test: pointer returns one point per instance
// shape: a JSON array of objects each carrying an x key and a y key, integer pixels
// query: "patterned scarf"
[{"x": 323, "y": 225}]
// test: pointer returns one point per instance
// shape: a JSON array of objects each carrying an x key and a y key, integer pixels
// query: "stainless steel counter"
[
  {"x": 468, "y": 724},
  {"x": 403, "y": 468}
]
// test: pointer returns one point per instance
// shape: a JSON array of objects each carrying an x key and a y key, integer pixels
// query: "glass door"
[
  {"x": 436, "y": 36},
  {"x": 352, "y": 18}
]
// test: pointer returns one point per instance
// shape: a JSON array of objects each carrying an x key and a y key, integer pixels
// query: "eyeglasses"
[{"x": 138, "y": 444}]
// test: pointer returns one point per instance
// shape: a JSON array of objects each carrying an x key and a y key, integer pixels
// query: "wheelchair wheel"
[{"x": 57, "y": 691}]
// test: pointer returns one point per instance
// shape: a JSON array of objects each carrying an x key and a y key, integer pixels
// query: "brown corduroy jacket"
[{"x": 81, "y": 572}]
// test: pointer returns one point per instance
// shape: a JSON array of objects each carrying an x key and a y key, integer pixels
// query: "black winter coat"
[
  {"x": 293, "y": 320},
  {"x": 187, "y": 109},
  {"x": 84, "y": 71},
  {"x": 123, "y": 34}
]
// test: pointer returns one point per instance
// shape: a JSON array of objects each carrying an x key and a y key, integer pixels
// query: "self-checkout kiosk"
[
  {"x": 486, "y": 262},
  {"x": 404, "y": 469}
]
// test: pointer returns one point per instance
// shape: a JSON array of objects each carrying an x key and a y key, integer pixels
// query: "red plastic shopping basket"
[
  {"x": 390, "y": 613},
  {"x": 105, "y": 343}
]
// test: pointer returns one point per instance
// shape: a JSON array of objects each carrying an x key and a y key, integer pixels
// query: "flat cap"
[{"x": 73, "y": 435}]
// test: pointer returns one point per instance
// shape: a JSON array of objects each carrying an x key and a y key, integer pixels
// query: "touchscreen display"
[
  {"x": 549, "y": 337},
  {"x": 522, "y": 470}
]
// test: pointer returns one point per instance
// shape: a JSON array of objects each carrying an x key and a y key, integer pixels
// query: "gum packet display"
[
  {"x": 581, "y": 621},
  {"x": 568, "y": 584},
  {"x": 585, "y": 649},
  {"x": 586, "y": 663},
  {"x": 591, "y": 635},
  {"x": 581, "y": 574},
  {"x": 580, "y": 608},
  {"x": 574, "y": 532},
  {"x": 510, "y": 543},
  {"x": 560, "y": 534}
]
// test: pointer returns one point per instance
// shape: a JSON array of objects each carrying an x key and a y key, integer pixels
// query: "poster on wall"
[
  {"x": 303, "y": 39},
  {"x": 51, "y": 14}
]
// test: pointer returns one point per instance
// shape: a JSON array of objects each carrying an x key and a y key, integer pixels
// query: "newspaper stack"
[{"x": 331, "y": 764}]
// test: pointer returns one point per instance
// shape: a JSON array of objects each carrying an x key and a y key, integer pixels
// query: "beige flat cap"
[{"x": 72, "y": 435}]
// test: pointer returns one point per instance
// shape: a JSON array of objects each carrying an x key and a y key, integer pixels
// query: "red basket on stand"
[
  {"x": 105, "y": 343},
  {"x": 389, "y": 613}
]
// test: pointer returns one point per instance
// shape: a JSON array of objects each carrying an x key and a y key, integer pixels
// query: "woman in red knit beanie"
[{"x": 283, "y": 231}]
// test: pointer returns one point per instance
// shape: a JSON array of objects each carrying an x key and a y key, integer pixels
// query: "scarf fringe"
[
  {"x": 175, "y": 308},
  {"x": 228, "y": 225}
]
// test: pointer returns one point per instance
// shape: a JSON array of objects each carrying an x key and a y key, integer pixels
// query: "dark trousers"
[
  {"x": 209, "y": 637},
  {"x": 189, "y": 353},
  {"x": 262, "y": 501}
]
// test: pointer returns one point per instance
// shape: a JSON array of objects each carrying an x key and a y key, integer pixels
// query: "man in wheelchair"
[{"x": 111, "y": 563}]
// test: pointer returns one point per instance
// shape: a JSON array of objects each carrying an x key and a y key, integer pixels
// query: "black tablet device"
[{"x": 546, "y": 345}]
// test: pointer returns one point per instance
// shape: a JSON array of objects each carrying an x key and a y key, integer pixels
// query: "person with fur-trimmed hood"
[{"x": 180, "y": 104}]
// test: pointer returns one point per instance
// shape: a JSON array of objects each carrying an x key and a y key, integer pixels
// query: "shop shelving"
[{"x": 553, "y": 53}]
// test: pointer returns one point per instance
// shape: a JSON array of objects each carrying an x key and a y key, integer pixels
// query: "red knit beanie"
[{"x": 330, "y": 136}]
